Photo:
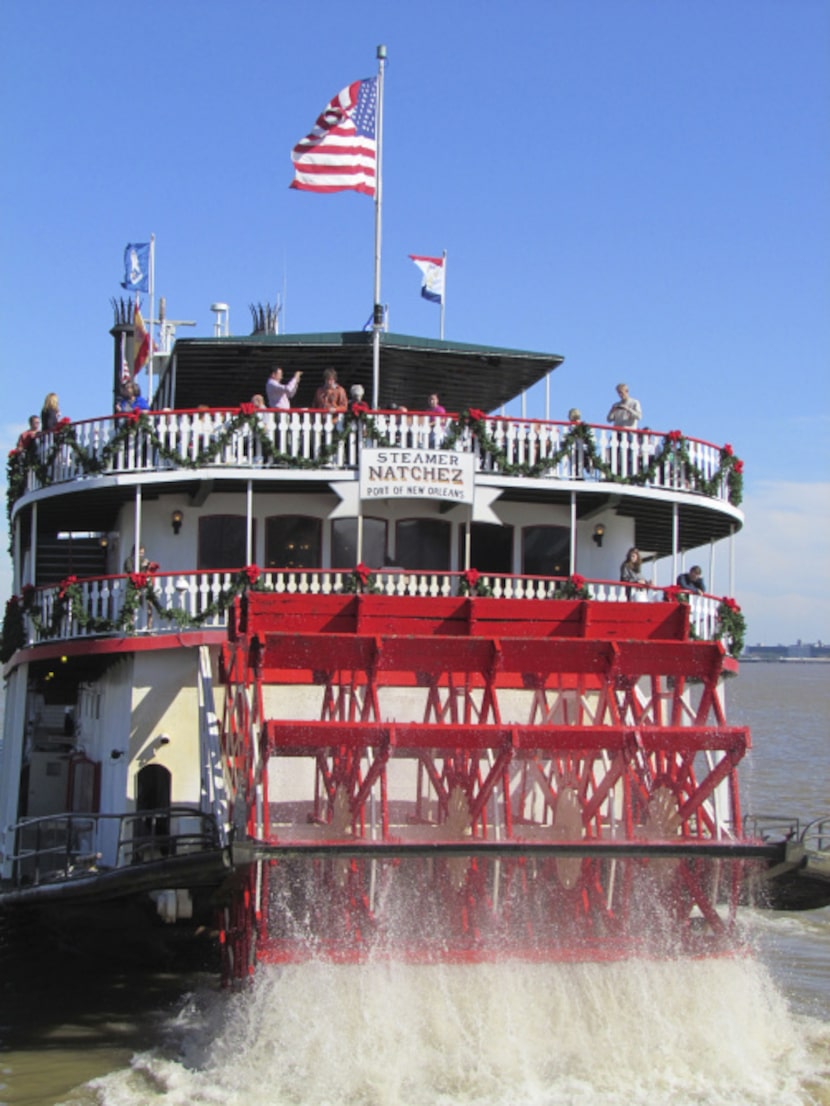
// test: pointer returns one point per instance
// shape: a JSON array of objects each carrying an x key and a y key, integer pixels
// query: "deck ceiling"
[
  {"x": 224, "y": 372},
  {"x": 698, "y": 524}
]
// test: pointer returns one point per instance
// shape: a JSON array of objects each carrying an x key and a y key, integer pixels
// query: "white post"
[
  {"x": 675, "y": 530},
  {"x": 547, "y": 397},
  {"x": 137, "y": 530},
  {"x": 711, "y": 576},
  {"x": 33, "y": 546},
  {"x": 573, "y": 533},
  {"x": 151, "y": 317},
  {"x": 467, "y": 538},
  {"x": 249, "y": 513},
  {"x": 732, "y": 560},
  {"x": 16, "y": 566},
  {"x": 377, "y": 312}
]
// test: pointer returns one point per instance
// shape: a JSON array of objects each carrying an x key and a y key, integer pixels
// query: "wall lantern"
[
  {"x": 176, "y": 521},
  {"x": 599, "y": 533}
]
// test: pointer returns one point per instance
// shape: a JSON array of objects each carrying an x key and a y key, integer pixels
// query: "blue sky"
[{"x": 639, "y": 185}]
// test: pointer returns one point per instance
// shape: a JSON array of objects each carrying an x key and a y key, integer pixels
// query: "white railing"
[
  {"x": 192, "y": 600},
  {"x": 301, "y": 438}
]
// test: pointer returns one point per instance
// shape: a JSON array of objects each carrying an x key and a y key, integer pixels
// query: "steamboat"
[{"x": 376, "y": 688}]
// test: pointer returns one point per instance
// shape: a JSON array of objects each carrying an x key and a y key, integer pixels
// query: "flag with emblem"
[
  {"x": 136, "y": 267},
  {"x": 432, "y": 271}
]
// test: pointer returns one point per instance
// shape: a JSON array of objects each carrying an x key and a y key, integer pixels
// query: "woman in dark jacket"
[{"x": 50, "y": 416}]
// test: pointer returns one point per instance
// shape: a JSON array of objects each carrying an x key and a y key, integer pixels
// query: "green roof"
[{"x": 224, "y": 372}]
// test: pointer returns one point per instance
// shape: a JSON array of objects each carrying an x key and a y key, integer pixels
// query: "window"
[
  {"x": 423, "y": 544},
  {"x": 546, "y": 551},
  {"x": 344, "y": 542},
  {"x": 293, "y": 541},
  {"x": 491, "y": 547},
  {"x": 223, "y": 541}
]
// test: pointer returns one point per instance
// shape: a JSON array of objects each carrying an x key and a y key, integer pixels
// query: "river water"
[{"x": 737, "y": 1032}]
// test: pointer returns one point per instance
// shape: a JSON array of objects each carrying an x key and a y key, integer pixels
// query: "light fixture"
[
  {"x": 176, "y": 520},
  {"x": 103, "y": 541},
  {"x": 599, "y": 533}
]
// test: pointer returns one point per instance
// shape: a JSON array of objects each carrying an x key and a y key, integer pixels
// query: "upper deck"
[
  {"x": 550, "y": 488},
  {"x": 88, "y": 465}
]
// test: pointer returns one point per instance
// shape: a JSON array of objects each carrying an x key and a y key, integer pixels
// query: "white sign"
[{"x": 437, "y": 474}]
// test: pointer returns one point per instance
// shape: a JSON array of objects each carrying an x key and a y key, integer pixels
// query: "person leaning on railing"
[
  {"x": 631, "y": 570},
  {"x": 692, "y": 580}
]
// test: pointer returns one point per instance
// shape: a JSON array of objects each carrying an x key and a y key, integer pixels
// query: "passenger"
[
  {"x": 631, "y": 570},
  {"x": 626, "y": 412},
  {"x": 692, "y": 580},
  {"x": 433, "y": 405},
  {"x": 144, "y": 562},
  {"x": 577, "y": 447},
  {"x": 330, "y": 396},
  {"x": 50, "y": 416},
  {"x": 26, "y": 438},
  {"x": 356, "y": 393},
  {"x": 139, "y": 402},
  {"x": 124, "y": 399},
  {"x": 279, "y": 394},
  {"x": 258, "y": 402}
]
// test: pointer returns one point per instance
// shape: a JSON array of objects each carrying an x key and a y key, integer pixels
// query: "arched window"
[
  {"x": 223, "y": 541},
  {"x": 293, "y": 541},
  {"x": 344, "y": 542},
  {"x": 491, "y": 547},
  {"x": 546, "y": 551},
  {"x": 423, "y": 544}
]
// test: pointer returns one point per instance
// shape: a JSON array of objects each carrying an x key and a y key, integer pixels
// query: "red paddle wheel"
[{"x": 459, "y": 778}]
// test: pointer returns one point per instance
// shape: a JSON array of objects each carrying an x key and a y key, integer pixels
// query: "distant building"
[{"x": 799, "y": 651}]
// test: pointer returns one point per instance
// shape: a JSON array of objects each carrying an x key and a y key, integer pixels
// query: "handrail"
[
  {"x": 69, "y": 845},
  {"x": 303, "y": 438},
  {"x": 173, "y": 602}
]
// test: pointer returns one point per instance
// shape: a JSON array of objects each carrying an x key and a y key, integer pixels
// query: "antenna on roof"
[{"x": 221, "y": 321}]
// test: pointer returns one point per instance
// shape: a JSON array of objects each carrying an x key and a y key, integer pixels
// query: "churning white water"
[{"x": 710, "y": 1032}]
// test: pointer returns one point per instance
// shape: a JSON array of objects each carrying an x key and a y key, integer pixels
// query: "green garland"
[
  {"x": 140, "y": 588},
  {"x": 361, "y": 581},
  {"x": 673, "y": 451},
  {"x": 471, "y": 583},
  {"x": 731, "y": 627},
  {"x": 575, "y": 587}
]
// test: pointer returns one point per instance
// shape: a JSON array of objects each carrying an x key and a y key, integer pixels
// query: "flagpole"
[
  {"x": 377, "y": 315},
  {"x": 151, "y": 317},
  {"x": 444, "y": 296}
]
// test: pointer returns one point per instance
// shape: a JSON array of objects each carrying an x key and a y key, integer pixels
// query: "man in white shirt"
[
  {"x": 279, "y": 394},
  {"x": 626, "y": 412}
]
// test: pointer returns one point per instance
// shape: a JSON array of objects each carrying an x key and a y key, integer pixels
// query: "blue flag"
[{"x": 137, "y": 267}]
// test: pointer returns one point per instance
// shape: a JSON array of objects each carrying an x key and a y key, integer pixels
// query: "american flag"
[{"x": 340, "y": 152}]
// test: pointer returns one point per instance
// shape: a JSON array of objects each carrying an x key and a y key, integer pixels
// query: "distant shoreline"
[{"x": 784, "y": 660}]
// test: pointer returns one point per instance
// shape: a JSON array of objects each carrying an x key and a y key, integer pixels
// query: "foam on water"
[{"x": 713, "y": 1032}]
